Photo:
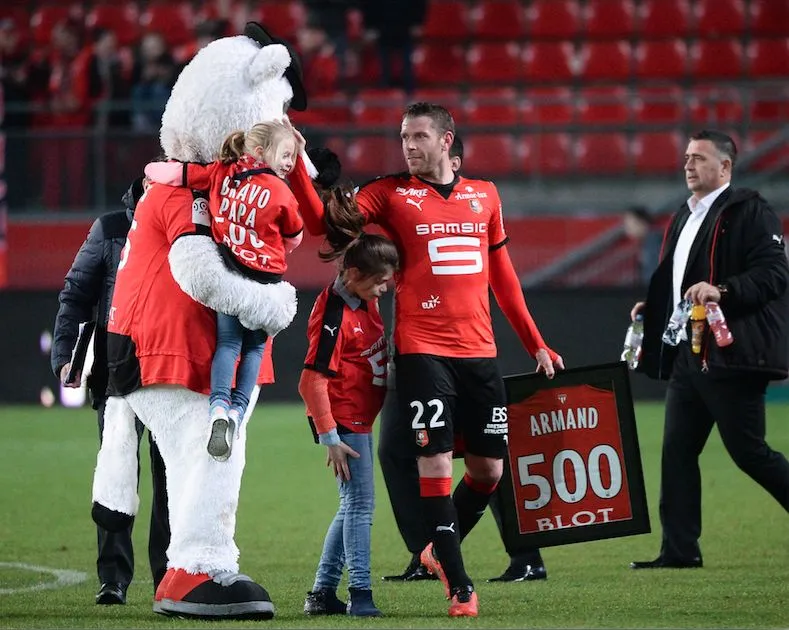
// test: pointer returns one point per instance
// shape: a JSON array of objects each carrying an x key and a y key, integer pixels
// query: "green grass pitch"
[{"x": 288, "y": 499}]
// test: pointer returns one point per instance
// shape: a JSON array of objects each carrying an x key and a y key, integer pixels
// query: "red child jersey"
[
  {"x": 157, "y": 333},
  {"x": 252, "y": 209},
  {"x": 348, "y": 345},
  {"x": 442, "y": 286}
]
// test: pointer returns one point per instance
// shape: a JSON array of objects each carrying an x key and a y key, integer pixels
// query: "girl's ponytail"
[{"x": 233, "y": 147}]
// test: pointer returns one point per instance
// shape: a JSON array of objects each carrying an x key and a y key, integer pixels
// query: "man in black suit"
[{"x": 725, "y": 245}]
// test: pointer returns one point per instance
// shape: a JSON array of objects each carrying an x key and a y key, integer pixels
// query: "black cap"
[{"x": 293, "y": 72}]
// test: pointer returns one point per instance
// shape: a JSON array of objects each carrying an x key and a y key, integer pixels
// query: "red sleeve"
[
  {"x": 183, "y": 213},
  {"x": 314, "y": 390},
  {"x": 290, "y": 221},
  {"x": 509, "y": 295},
  {"x": 310, "y": 204},
  {"x": 324, "y": 334},
  {"x": 372, "y": 199},
  {"x": 496, "y": 234},
  {"x": 199, "y": 176}
]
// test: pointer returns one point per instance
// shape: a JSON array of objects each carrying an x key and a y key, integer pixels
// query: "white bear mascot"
[{"x": 170, "y": 281}]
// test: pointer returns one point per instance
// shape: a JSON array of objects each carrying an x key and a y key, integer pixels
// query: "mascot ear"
[{"x": 269, "y": 63}]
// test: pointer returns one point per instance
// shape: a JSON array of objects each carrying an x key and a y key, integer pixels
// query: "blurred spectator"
[
  {"x": 14, "y": 76},
  {"x": 154, "y": 75},
  {"x": 394, "y": 24},
  {"x": 642, "y": 227},
  {"x": 205, "y": 32},
  {"x": 108, "y": 80},
  {"x": 332, "y": 17},
  {"x": 320, "y": 66}
]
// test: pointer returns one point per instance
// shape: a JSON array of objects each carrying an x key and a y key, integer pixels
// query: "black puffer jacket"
[
  {"x": 87, "y": 293},
  {"x": 740, "y": 245}
]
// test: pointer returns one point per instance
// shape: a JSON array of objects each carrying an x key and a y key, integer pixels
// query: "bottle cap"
[{"x": 698, "y": 312}]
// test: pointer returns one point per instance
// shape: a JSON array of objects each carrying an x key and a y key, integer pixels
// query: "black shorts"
[{"x": 443, "y": 396}]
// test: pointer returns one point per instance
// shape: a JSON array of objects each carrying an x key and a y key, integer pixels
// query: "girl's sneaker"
[
  {"x": 223, "y": 428},
  {"x": 324, "y": 601}
]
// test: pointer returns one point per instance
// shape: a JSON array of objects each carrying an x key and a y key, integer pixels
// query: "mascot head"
[{"x": 231, "y": 84}]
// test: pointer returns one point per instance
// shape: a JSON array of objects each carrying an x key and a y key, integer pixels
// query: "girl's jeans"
[{"x": 348, "y": 538}]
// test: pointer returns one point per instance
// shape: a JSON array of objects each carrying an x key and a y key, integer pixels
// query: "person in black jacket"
[
  {"x": 724, "y": 245},
  {"x": 87, "y": 295}
]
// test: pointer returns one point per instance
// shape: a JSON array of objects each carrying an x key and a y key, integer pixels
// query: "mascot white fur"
[{"x": 231, "y": 84}]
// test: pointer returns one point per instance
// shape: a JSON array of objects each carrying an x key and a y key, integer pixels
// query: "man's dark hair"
[
  {"x": 456, "y": 150},
  {"x": 723, "y": 142},
  {"x": 442, "y": 119}
]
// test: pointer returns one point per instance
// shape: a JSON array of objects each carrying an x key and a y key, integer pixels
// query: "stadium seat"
[
  {"x": 492, "y": 106},
  {"x": 658, "y": 152},
  {"x": 715, "y": 105},
  {"x": 548, "y": 61},
  {"x": 284, "y": 18},
  {"x": 558, "y": 19},
  {"x": 327, "y": 109},
  {"x": 370, "y": 156},
  {"x": 439, "y": 64},
  {"x": 548, "y": 106},
  {"x": 609, "y": 18},
  {"x": 601, "y": 153},
  {"x": 768, "y": 17},
  {"x": 720, "y": 17},
  {"x": 173, "y": 20},
  {"x": 498, "y": 19},
  {"x": 769, "y": 104},
  {"x": 716, "y": 59},
  {"x": 603, "y": 106},
  {"x": 777, "y": 157},
  {"x": 605, "y": 60},
  {"x": 488, "y": 154},
  {"x": 490, "y": 62},
  {"x": 123, "y": 19},
  {"x": 47, "y": 16},
  {"x": 768, "y": 58},
  {"x": 664, "y": 18},
  {"x": 660, "y": 59},
  {"x": 378, "y": 108},
  {"x": 450, "y": 98},
  {"x": 447, "y": 20},
  {"x": 546, "y": 154},
  {"x": 659, "y": 104}
]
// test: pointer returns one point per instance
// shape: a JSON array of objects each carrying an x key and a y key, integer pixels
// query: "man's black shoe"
[
  {"x": 414, "y": 572},
  {"x": 668, "y": 563},
  {"x": 111, "y": 594},
  {"x": 522, "y": 573}
]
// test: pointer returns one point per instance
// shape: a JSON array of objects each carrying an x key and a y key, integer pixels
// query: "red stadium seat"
[
  {"x": 451, "y": 99},
  {"x": 173, "y": 20},
  {"x": 47, "y": 16},
  {"x": 720, "y": 17},
  {"x": 548, "y": 106},
  {"x": 769, "y": 104},
  {"x": 659, "y": 104},
  {"x": 664, "y": 18},
  {"x": 494, "y": 63},
  {"x": 123, "y": 19},
  {"x": 605, "y": 60},
  {"x": 553, "y": 19},
  {"x": 601, "y": 153},
  {"x": 488, "y": 154},
  {"x": 379, "y": 108},
  {"x": 493, "y": 106},
  {"x": 716, "y": 59},
  {"x": 661, "y": 59},
  {"x": 547, "y": 154},
  {"x": 498, "y": 19},
  {"x": 370, "y": 156},
  {"x": 548, "y": 61},
  {"x": 769, "y": 58},
  {"x": 658, "y": 152},
  {"x": 609, "y": 18},
  {"x": 603, "y": 106},
  {"x": 439, "y": 64},
  {"x": 768, "y": 17},
  {"x": 715, "y": 105},
  {"x": 282, "y": 17},
  {"x": 446, "y": 19},
  {"x": 777, "y": 157},
  {"x": 328, "y": 109}
]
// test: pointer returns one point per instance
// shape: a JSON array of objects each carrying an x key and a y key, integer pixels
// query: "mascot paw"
[
  {"x": 277, "y": 310},
  {"x": 224, "y": 595},
  {"x": 109, "y": 519}
]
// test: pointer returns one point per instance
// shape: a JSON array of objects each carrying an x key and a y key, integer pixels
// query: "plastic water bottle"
[
  {"x": 675, "y": 329},
  {"x": 631, "y": 352},
  {"x": 717, "y": 322}
]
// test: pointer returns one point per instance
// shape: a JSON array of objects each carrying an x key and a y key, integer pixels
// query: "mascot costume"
[{"x": 171, "y": 280}]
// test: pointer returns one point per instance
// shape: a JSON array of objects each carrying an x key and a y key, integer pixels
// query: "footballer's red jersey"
[
  {"x": 347, "y": 343},
  {"x": 157, "y": 333},
  {"x": 252, "y": 209},
  {"x": 442, "y": 285}
]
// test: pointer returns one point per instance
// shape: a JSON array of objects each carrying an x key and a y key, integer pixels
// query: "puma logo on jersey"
[
  {"x": 358, "y": 329},
  {"x": 778, "y": 238},
  {"x": 332, "y": 330},
  {"x": 418, "y": 204},
  {"x": 446, "y": 528}
]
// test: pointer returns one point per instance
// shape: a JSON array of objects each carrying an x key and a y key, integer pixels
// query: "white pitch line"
[{"x": 63, "y": 578}]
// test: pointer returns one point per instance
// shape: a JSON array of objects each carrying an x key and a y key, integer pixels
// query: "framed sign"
[{"x": 573, "y": 471}]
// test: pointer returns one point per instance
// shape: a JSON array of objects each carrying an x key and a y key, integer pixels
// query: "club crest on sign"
[{"x": 422, "y": 439}]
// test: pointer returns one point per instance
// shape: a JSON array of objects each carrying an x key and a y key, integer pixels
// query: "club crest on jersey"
[
  {"x": 562, "y": 398},
  {"x": 422, "y": 438},
  {"x": 200, "y": 214},
  {"x": 475, "y": 205}
]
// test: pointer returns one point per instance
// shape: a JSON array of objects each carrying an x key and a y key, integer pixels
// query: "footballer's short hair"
[{"x": 442, "y": 119}]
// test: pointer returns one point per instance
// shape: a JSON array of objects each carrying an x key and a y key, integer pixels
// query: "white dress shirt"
[{"x": 698, "y": 212}]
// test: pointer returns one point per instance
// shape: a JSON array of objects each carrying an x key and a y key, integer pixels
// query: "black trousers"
[
  {"x": 695, "y": 401},
  {"x": 115, "y": 561},
  {"x": 401, "y": 476}
]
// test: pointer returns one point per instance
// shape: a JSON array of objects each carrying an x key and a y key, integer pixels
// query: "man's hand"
[
  {"x": 337, "y": 457},
  {"x": 703, "y": 292},
  {"x": 544, "y": 363},
  {"x": 636, "y": 310},
  {"x": 76, "y": 383}
]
